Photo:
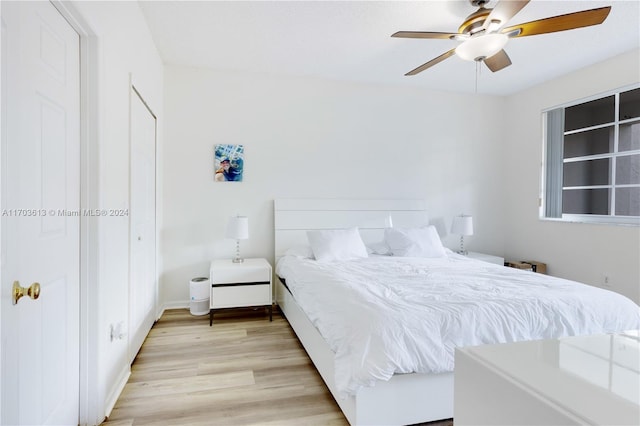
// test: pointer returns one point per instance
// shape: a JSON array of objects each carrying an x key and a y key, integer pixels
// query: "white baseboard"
[
  {"x": 172, "y": 305},
  {"x": 116, "y": 391}
]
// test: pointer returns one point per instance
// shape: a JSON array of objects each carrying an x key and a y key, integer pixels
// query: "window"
[{"x": 592, "y": 160}]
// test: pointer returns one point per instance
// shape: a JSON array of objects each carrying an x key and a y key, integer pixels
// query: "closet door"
[{"x": 142, "y": 269}]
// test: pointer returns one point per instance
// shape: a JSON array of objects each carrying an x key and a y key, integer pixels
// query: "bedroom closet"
[{"x": 143, "y": 287}]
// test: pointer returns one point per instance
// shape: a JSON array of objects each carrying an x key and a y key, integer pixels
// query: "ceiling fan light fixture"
[{"x": 481, "y": 47}]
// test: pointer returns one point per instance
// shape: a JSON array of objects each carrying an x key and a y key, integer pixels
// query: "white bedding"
[{"x": 385, "y": 315}]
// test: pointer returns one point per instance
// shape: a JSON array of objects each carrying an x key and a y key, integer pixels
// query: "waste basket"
[{"x": 199, "y": 296}]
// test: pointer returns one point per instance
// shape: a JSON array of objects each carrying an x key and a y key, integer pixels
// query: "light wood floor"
[{"x": 244, "y": 370}]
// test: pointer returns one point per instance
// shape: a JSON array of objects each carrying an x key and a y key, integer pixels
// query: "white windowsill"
[{"x": 598, "y": 220}]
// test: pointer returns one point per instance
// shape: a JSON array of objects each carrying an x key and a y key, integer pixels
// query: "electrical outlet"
[
  {"x": 116, "y": 331},
  {"x": 606, "y": 281}
]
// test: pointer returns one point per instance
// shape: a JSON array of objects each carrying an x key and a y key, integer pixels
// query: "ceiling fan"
[{"x": 483, "y": 34}]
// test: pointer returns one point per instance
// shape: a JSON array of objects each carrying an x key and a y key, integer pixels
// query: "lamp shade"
[
  {"x": 238, "y": 228},
  {"x": 462, "y": 225}
]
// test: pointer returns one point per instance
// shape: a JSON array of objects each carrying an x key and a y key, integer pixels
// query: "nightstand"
[
  {"x": 236, "y": 285},
  {"x": 486, "y": 258}
]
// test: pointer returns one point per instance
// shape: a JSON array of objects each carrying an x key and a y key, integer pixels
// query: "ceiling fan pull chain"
[{"x": 477, "y": 74}]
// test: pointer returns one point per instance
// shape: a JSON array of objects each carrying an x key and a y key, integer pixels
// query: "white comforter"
[{"x": 385, "y": 315}]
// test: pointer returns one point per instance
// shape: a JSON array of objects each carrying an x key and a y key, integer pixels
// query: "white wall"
[
  {"x": 124, "y": 47},
  {"x": 578, "y": 251},
  {"x": 306, "y": 137}
]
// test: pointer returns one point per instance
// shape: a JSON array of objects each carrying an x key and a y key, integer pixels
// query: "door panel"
[
  {"x": 40, "y": 215},
  {"x": 142, "y": 222},
  {"x": 52, "y": 153}
]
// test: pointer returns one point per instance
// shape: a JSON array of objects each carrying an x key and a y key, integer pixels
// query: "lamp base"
[
  {"x": 238, "y": 259},
  {"x": 462, "y": 251}
]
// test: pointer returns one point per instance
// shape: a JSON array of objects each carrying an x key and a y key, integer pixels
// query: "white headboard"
[{"x": 293, "y": 217}]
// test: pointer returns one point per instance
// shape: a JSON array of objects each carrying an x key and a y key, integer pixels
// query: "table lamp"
[
  {"x": 238, "y": 229},
  {"x": 462, "y": 225}
]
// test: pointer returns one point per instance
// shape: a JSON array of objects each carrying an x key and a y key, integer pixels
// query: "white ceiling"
[{"x": 350, "y": 40}]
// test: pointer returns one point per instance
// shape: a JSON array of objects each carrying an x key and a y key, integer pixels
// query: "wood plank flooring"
[{"x": 244, "y": 370}]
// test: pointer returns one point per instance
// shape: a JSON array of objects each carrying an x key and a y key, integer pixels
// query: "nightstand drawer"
[
  {"x": 240, "y": 274},
  {"x": 232, "y": 296}
]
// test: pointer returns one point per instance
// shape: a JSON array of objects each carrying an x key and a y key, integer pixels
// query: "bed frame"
[{"x": 405, "y": 398}]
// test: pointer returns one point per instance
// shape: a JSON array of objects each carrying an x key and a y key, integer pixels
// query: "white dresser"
[{"x": 592, "y": 380}]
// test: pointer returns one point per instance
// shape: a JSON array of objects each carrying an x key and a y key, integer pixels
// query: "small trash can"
[{"x": 199, "y": 296}]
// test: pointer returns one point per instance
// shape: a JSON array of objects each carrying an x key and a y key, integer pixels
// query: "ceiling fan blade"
[
  {"x": 423, "y": 34},
  {"x": 498, "y": 61},
  {"x": 504, "y": 11},
  {"x": 432, "y": 62},
  {"x": 553, "y": 24}
]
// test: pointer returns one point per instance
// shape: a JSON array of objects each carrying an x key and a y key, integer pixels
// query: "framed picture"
[{"x": 228, "y": 163}]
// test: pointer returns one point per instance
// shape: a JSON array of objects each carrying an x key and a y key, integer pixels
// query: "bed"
[{"x": 395, "y": 393}]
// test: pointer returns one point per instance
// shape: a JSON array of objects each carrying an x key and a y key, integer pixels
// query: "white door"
[
  {"x": 40, "y": 215},
  {"x": 142, "y": 293}
]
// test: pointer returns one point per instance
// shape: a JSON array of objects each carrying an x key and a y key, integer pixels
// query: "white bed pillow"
[
  {"x": 336, "y": 244},
  {"x": 301, "y": 252},
  {"x": 380, "y": 248},
  {"x": 414, "y": 242}
]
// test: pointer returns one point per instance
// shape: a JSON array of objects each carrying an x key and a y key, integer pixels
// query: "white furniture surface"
[
  {"x": 235, "y": 285},
  {"x": 486, "y": 258},
  {"x": 592, "y": 380},
  {"x": 405, "y": 398}
]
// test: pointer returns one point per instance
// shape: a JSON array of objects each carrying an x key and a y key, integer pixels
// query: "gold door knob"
[{"x": 33, "y": 291}]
